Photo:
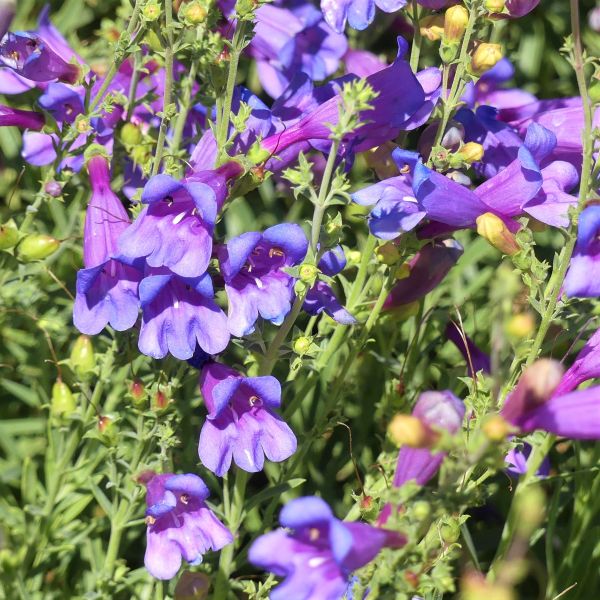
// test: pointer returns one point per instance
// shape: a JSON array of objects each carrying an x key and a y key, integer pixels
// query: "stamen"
[
  {"x": 253, "y": 400},
  {"x": 314, "y": 534},
  {"x": 150, "y": 520},
  {"x": 185, "y": 498},
  {"x": 275, "y": 252}
]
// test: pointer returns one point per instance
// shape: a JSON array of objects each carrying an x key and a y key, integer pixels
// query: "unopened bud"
[
  {"x": 151, "y": 11},
  {"x": 485, "y": 57},
  {"x": 9, "y": 235},
  {"x": 62, "y": 401},
  {"x": 521, "y": 326},
  {"x": 302, "y": 345},
  {"x": 37, "y": 247},
  {"x": 541, "y": 379},
  {"x": 354, "y": 257},
  {"x": 53, "y": 188},
  {"x": 495, "y": 6},
  {"x": 82, "y": 124},
  {"x": 82, "y": 356},
  {"x": 308, "y": 273},
  {"x": 453, "y": 137},
  {"x": 160, "y": 401},
  {"x": 450, "y": 531},
  {"x": 388, "y": 254},
  {"x": 495, "y": 428},
  {"x": 432, "y": 27},
  {"x": 130, "y": 134},
  {"x": 456, "y": 20},
  {"x": 471, "y": 152},
  {"x": 257, "y": 154},
  {"x": 407, "y": 430},
  {"x": 421, "y": 510},
  {"x": 195, "y": 13},
  {"x": 495, "y": 231},
  {"x": 137, "y": 391}
]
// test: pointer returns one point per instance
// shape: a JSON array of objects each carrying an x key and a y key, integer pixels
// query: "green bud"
[
  {"x": 421, "y": 510},
  {"x": 62, "y": 402},
  {"x": 308, "y": 273},
  {"x": 151, "y": 12},
  {"x": 138, "y": 393},
  {"x": 82, "y": 356},
  {"x": 130, "y": 134},
  {"x": 37, "y": 247},
  {"x": 9, "y": 235},
  {"x": 302, "y": 345},
  {"x": 450, "y": 531},
  {"x": 257, "y": 154},
  {"x": 388, "y": 254},
  {"x": 195, "y": 13},
  {"x": 107, "y": 429}
]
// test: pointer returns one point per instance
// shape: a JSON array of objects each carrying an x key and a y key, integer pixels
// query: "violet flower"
[
  {"x": 63, "y": 102},
  {"x": 242, "y": 424},
  {"x": 30, "y": 56},
  {"x": 24, "y": 119},
  {"x": 316, "y": 553},
  {"x": 106, "y": 289},
  {"x": 287, "y": 41},
  {"x": 436, "y": 411},
  {"x": 358, "y": 13},
  {"x": 583, "y": 277},
  {"x": 180, "y": 524},
  {"x": 178, "y": 314},
  {"x": 175, "y": 229},
  {"x": 474, "y": 356},
  {"x": 256, "y": 283},
  {"x": 516, "y": 462}
]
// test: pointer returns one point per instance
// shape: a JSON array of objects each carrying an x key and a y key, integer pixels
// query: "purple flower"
[
  {"x": 321, "y": 298},
  {"x": 175, "y": 229},
  {"x": 427, "y": 270},
  {"x": 179, "y": 313},
  {"x": 476, "y": 358},
  {"x": 436, "y": 411},
  {"x": 287, "y": 41},
  {"x": 30, "y": 56},
  {"x": 180, "y": 524},
  {"x": 585, "y": 367},
  {"x": 7, "y": 14},
  {"x": 106, "y": 289},
  {"x": 252, "y": 265},
  {"x": 24, "y": 119},
  {"x": 63, "y": 102},
  {"x": 516, "y": 462},
  {"x": 316, "y": 553},
  {"x": 358, "y": 13},
  {"x": 583, "y": 276},
  {"x": 242, "y": 423}
]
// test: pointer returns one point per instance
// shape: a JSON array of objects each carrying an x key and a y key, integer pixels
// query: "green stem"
[
  {"x": 164, "y": 123},
  {"x": 415, "y": 51},
  {"x": 135, "y": 78}
]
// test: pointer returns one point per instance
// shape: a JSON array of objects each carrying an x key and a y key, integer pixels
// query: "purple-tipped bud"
[
  {"x": 53, "y": 188},
  {"x": 24, "y": 119},
  {"x": 30, "y": 56}
]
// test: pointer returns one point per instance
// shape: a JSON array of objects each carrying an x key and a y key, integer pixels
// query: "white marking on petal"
[
  {"x": 179, "y": 217},
  {"x": 409, "y": 199},
  {"x": 315, "y": 562}
]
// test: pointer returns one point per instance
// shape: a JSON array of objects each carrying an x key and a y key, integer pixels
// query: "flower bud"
[
  {"x": 453, "y": 136},
  {"x": 456, "y": 20},
  {"x": 257, "y": 154},
  {"x": 9, "y": 235},
  {"x": 450, "y": 531},
  {"x": 62, "y": 401},
  {"x": 160, "y": 401},
  {"x": 107, "y": 429},
  {"x": 302, "y": 345},
  {"x": 308, "y": 273},
  {"x": 496, "y": 429},
  {"x": 82, "y": 356},
  {"x": 521, "y": 326},
  {"x": 471, "y": 152},
  {"x": 485, "y": 57},
  {"x": 137, "y": 391},
  {"x": 388, "y": 254},
  {"x": 53, "y": 188},
  {"x": 407, "y": 430},
  {"x": 82, "y": 124},
  {"x": 130, "y": 134},
  {"x": 495, "y": 6},
  {"x": 421, "y": 510},
  {"x": 37, "y": 247},
  {"x": 495, "y": 231},
  {"x": 432, "y": 27},
  {"x": 195, "y": 13},
  {"x": 354, "y": 257},
  {"x": 151, "y": 12}
]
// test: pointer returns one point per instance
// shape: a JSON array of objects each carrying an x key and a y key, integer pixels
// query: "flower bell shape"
[
  {"x": 30, "y": 56},
  {"x": 179, "y": 314},
  {"x": 252, "y": 265},
  {"x": 63, "y": 102},
  {"x": 179, "y": 524},
  {"x": 242, "y": 424},
  {"x": 359, "y": 14},
  {"x": 106, "y": 290},
  {"x": 321, "y": 298},
  {"x": 316, "y": 553},
  {"x": 175, "y": 229},
  {"x": 583, "y": 276},
  {"x": 24, "y": 119}
]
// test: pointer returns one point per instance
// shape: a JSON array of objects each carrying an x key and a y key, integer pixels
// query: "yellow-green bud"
[
  {"x": 308, "y": 273},
  {"x": 496, "y": 428},
  {"x": 302, "y": 345},
  {"x": 432, "y": 27},
  {"x": 82, "y": 356},
  {"x": 131, "y": 134},
  {"x": 9, "y": 235},
  {"x": 388, "y": 254},
  {"x": 520, "y": 326},
  {"x": 450, "y": 531},
  {"x": 354, "y": 257},
  {"x": 485, "y": 57},
  {"x": 151, "y": 12},
  {"x": 62, "y": 401},
  {"x": 82, "y": 124},
  {"x": 495, "y": 231},
  {"x": 471, "y": 152},
  {"x": 421, "y": 510},
  {"x": 456, "y": 20},
  {"x": 257, "y": 154},
  {"x": 37, "y": 247},
  {"x": 195, "y": 13},
  {"x": 495, "y": 6},
  {"x": 407, "y": 430}
]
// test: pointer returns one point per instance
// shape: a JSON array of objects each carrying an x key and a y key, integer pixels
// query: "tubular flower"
[
  {"x": 316, "y": 553},
  {"x": 242, "y": 424},
  {"x": 24, "y": 119},
  {"x": 359, "y": 14},
  {"x": 179, "y": 524},
  {"x": 583, "y": 276}
]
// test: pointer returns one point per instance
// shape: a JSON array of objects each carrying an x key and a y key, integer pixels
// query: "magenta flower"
[
  {"x": 24, "y": 119},
  {"x": 583, "y": 276},
  {"x": 106, "y": 288},
  {"x": 242, "y": 424},
  {"x": 180, "y": 524},
  {"x": 316, "y": 553}
]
